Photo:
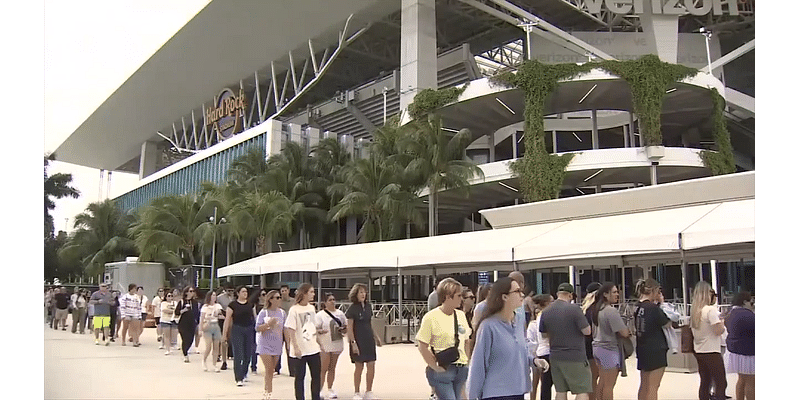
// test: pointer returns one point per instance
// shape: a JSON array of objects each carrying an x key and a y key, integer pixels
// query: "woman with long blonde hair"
[
  {"x": 651, "y": 343},
  {"x": 269, "y": 326},
  {"x": 707, "y": 329}
]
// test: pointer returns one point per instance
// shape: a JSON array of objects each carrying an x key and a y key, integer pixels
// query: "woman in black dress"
[
  {"x": 362, "y": 339},
  {"x": 651, "y": 344}
]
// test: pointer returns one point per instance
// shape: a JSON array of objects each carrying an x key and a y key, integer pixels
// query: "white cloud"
[{"x": 91, "y": 47}]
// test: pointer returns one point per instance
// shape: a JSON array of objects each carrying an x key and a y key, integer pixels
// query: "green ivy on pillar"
[
  {"x": 720, "y": 162},
  {"x": 428, "y": 101},
  {"x": 541, "y": 173},
  {"x": 649, "y": 78}
]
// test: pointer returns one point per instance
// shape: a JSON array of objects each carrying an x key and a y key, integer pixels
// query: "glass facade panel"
[{"x": 187, "y": 180}]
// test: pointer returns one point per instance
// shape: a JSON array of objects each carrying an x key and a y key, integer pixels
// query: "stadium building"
[{"x": 261, "y": 73}]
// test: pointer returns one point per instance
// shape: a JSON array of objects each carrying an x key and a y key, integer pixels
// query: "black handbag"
[
  {"x": 336, "y": 334},
  {"x": 449, "y": 355}
]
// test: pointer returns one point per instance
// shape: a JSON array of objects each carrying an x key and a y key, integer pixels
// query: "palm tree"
[
  {"x": 388, "y": 144},
  {"x": 372, "y": 190},
  {"x": 248, "y": 170},
  {"x": 438, "y": 160},
  {"x": 292, "y": 173},
  {"x": 100, "y": 237},
  {"x": 168, "y": 228},
  {"x": 56, "y": 186},
  {"x": 329, "y": 160}
]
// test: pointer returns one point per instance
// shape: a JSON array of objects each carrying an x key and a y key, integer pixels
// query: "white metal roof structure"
[{"x": 667, "y": 230}]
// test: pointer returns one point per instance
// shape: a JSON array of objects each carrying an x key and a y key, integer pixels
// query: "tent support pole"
[
  {"x": 399, "y": 294},
  {"x": 514, "y": 261},
  {"x": 684, "y": 285},
  {"x": 369, "y": 285}
]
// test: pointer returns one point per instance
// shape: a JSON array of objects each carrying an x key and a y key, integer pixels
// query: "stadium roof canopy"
[
  {"x": 229, "y": 41},
  {"x": 225, "y": 42}
]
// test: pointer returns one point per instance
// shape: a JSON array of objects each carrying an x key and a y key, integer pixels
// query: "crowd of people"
[
  {"x": 501, "y": 344},
  {"x": 234, "y": 322},
  {"x": 514, "y": 341}
]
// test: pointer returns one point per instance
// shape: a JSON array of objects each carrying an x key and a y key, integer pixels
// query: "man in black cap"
[{"x": 565, "y": 325}]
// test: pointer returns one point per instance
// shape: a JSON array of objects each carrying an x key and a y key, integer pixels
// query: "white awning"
[
  {"x": 644, "y": 232},
  {"x": 729, "y": 223},
  {"x": 471, "y": 248},
  {"x": 243, "y": 268},
  {"x": 705, "y": 230}
]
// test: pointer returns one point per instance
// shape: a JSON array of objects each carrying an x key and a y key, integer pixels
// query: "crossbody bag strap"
[
  {"x": 334, "y": 318},
  {"x": 455, "y": 326}
]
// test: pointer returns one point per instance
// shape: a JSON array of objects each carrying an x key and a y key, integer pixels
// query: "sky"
[{"x": 90, "y": 48}]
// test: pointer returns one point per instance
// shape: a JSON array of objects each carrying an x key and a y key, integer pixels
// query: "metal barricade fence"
[{"x": 401, "y": 323}]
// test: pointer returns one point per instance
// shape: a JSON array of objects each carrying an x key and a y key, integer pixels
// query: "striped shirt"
[{"x": 130, "y": 306}]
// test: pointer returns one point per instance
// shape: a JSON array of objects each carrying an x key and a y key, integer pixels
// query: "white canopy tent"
[
  {"x": 637, "y": 236},
  {"x": 728, "y": 223},
  {"x": 615, "y": 235}
]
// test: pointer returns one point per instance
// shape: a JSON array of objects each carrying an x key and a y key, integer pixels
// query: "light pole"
[
  {"x": 280, "y": 249},
  {"x": 214, "y": 246},
  {"x": 707, "y": 34},
  {"x": 385, "y": 90}
]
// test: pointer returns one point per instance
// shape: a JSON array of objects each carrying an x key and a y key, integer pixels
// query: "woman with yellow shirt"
[{"x": 437, "y": 335}]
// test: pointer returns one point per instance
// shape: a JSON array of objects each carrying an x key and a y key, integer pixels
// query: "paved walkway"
[{"x": 74, "y": 368}]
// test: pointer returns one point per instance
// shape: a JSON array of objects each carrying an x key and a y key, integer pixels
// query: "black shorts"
[
  {"x": 650, "y": 359},
  {"x": 144, "y": 317}
]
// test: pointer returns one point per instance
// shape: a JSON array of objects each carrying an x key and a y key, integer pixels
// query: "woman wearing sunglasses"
[
  {"x": 187, "y": 311},
  {"x": 209, "y": 325},
  {"x": 269, "y": 330},
  {"x": 499, "y": 364},
  {"x": 167, "y": 323},
  {"x": 331, "y": 329}
]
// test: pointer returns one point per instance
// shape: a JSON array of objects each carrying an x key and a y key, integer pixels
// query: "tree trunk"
[
  {"x": 436, "y": 213},
  {"x": 431, "y": 218}
]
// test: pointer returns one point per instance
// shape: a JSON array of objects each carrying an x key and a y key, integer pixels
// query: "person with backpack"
[{"x": 331, "y": 329}]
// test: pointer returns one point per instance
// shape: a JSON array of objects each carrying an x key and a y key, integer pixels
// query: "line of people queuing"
[
  {"x": 509, "y": 344},
  {"x": 246, "y": 327}
]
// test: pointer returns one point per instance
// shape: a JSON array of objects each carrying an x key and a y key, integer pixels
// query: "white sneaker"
[
  {"x": 332, "y": 394},
  {"x": 161, "y": 347},
  {"x": 239, "y": 383},
  {"x": 357, "y": 396},
  {"x": 166, "y": 353},
  {"x": 369, "y": 395}
]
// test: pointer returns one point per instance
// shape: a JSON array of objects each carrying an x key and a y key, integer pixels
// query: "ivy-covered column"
[
  {"x": 541, "y": 174},
  {"x": 719, "y": 162},
  {"x": 649, "y": 79}
]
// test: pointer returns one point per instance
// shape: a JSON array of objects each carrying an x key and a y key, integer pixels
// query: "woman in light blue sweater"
[{"x": 499, "y": 365}]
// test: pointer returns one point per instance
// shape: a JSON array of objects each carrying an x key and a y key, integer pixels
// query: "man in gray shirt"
[
  {"x": 566, "y": 327},
  {"x": 102, "y": 301}
]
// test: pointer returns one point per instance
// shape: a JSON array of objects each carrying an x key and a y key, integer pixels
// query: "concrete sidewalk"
[{"x": 74, "y": 368}]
